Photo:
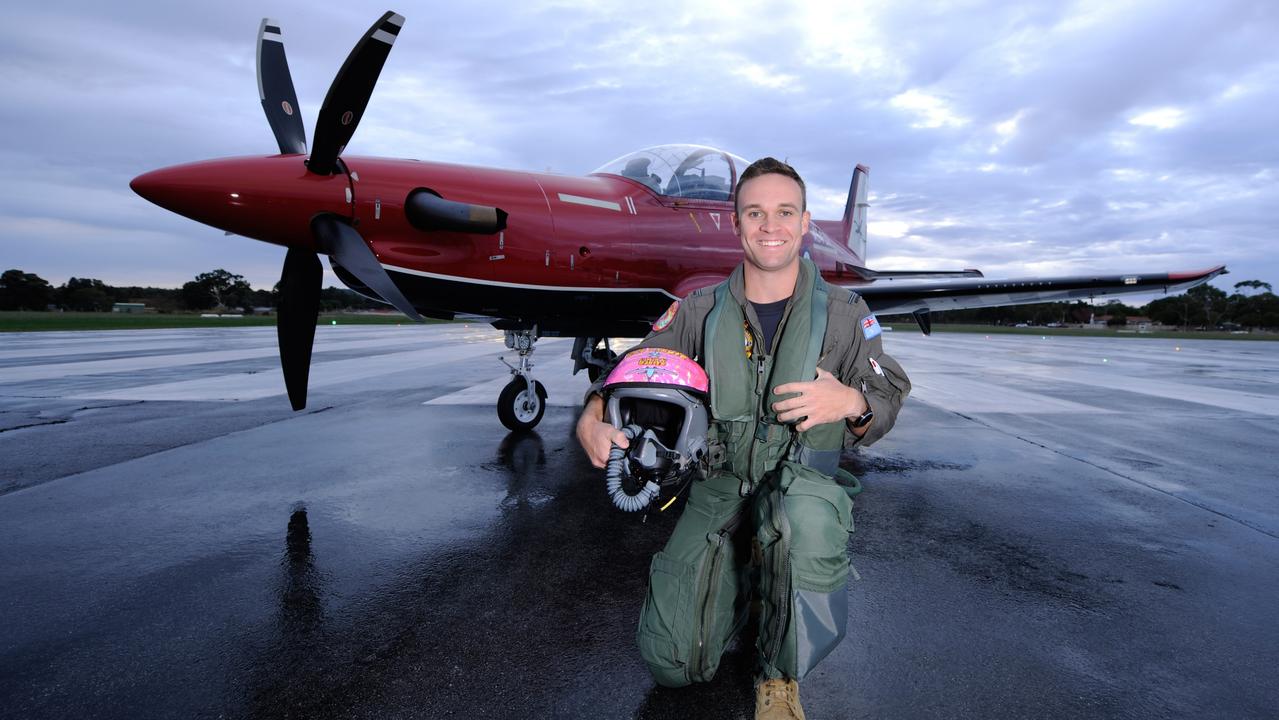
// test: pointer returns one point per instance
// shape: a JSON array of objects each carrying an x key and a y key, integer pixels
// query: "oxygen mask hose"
[{"x": 614, "y": 471}]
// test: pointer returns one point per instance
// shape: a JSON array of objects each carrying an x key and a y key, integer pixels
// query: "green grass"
[
  {"x": 41, "y": 321},
  {"x": 1082, "y": 332}
]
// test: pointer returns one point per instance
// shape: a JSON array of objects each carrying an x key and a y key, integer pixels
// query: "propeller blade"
[
  {"x": 275, "y": 90},
  {"x": 295, "y": 327},
  {"x": 349, "y": 94},
  {"x": 344, "y": 245}
]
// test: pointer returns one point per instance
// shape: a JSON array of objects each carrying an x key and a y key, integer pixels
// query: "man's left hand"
[{"x": 820, "y": 401}]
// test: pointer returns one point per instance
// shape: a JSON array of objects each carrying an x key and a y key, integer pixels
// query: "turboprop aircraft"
[{"x": 537, "y": 254}]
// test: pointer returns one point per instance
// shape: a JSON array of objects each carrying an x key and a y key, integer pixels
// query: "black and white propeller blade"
[
  {"x": 348, "y": 96},
  {"x": 344, "y": 244},
  {"x": 299, "y": 308},
  {"x": 275, "y": 90},
  {"x": 343, "y": 107}
]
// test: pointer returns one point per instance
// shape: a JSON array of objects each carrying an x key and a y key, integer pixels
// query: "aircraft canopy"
[{"x": 681, "y": 171}]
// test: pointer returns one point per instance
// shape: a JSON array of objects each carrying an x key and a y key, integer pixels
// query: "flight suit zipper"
[
  {"x": 782, "y": 590},
  {"x": 763, "y": 414},
  {"x": 710, "y": 580},
  {"x": 761, "y": 395}
]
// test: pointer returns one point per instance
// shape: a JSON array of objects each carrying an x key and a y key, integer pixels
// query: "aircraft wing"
[{"x": 886, "y": 296}]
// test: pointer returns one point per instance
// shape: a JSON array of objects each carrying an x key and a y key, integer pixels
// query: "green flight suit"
[{"x": 761, "y": 486}]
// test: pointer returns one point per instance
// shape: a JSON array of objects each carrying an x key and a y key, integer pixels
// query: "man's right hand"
[{"x": 596, "y": 436}]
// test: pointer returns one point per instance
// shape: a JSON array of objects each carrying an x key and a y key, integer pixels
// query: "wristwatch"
[{"x": 863, "y": 419}]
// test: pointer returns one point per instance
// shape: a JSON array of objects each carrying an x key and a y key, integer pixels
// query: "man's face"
[{"x": 770, "y": 221}]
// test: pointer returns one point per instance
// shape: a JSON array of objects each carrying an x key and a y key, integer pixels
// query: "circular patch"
[
  {"x": 347, "y": 117},
  {"x": 662, "y": 322},
  {"x": 288, "y": 109}
]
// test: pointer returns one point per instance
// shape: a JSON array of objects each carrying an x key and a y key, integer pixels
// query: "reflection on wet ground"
[{"x": 385, "y": 558}]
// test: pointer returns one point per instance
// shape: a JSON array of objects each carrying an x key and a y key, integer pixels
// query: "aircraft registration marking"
[
  {"x": 715, "y": 218},
  {"x": 696, "y": 224},
  {"x": 592, "y": 202}
]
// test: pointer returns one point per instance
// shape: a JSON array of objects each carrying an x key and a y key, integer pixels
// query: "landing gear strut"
[
  {"x": 523, "y": 400},
  {"x": 591, "y": 358}
]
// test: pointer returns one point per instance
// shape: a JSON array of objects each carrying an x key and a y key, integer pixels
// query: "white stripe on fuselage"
[
  {"x": 523, "y": 286},
  {"x": 593, "y": 202}
]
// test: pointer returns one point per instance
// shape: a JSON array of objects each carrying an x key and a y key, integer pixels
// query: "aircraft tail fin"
[{"x": 854, "y": 224}]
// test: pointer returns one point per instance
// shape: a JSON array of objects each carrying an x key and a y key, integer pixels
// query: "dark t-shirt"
[{"x": 770, "y": 316}]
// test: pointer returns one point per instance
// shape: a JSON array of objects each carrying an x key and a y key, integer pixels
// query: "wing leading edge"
[{"x": 890, "y": 298}]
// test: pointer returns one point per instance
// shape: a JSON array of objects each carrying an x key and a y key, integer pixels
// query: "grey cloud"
[{"x": 111, "y": 91}]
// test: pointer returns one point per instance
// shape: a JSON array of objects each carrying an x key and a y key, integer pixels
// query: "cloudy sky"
[{"x": 1019, "y": 138}]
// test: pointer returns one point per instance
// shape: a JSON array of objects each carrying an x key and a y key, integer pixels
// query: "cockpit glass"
[{"x": 680, "y": 171}]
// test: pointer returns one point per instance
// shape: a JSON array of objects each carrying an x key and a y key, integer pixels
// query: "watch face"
[{"x": 864, "y": 418}]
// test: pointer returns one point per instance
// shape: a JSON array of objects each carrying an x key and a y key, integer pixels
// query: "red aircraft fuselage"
[{"x": 600, "y": 255}]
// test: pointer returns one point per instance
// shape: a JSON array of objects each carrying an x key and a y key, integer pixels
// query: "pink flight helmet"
[{"x": 658, "y": 398}]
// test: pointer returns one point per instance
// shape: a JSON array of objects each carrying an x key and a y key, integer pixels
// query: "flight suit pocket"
[
  {"x": 665, "y": 628},
  {"x": 821, "y": 519}
]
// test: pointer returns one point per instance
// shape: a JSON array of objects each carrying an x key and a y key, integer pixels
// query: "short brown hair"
[{"x": 771, "y": 166}]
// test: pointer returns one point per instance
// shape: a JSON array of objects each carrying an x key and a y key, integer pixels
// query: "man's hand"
[
  {"x": 819, "y": 401},
  {"x": 596, "y": 436}
]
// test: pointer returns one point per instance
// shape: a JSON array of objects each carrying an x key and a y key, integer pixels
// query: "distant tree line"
[
  {"x": 1253, "y": 306},
  {"x": 215, "y": 290}
]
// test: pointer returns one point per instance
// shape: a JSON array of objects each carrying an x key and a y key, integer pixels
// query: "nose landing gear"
[{"x": 522, "y": 402}]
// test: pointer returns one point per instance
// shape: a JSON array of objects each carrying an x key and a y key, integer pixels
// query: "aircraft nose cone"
[
  {"x": 270, "y": 198},
  {"x": 149, "y": 185},
  {"x": 209, "y": 192},
  {"x": 183, "y": 189}
]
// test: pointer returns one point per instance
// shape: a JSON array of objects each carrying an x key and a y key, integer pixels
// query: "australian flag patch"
[{"x": 870, "y": 327}]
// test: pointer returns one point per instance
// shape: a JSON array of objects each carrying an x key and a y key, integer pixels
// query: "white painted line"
[
  {"x": 563, "y": 389},
  {"x": 526, "y": 286},
  {"x": 1128, "y": 370},
  {"x": 593, "y": 202},
  {"x": 48, "y": 371},
  {"x": 962, "y": 395},
  {"x": 251, "y": 386}
]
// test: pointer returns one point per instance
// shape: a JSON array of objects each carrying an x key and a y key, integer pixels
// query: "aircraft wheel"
[
  {"x": 593, "y": 371},
  {"x": 518, "y": 408}
]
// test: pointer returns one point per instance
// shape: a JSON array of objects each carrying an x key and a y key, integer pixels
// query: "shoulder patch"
[
  {"x": 870, "y": 327},
  {"x": 662, "y": 322}
]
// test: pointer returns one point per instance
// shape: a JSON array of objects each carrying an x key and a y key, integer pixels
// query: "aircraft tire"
[
  {"x": 517, "y": 408},
  {"x": 593, "y": 372}
]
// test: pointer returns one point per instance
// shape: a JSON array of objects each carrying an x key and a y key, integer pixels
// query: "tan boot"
[{"x": 778, "y": 700}]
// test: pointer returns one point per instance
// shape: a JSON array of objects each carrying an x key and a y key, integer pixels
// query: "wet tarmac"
[{"x": 1055, "y": 528}]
